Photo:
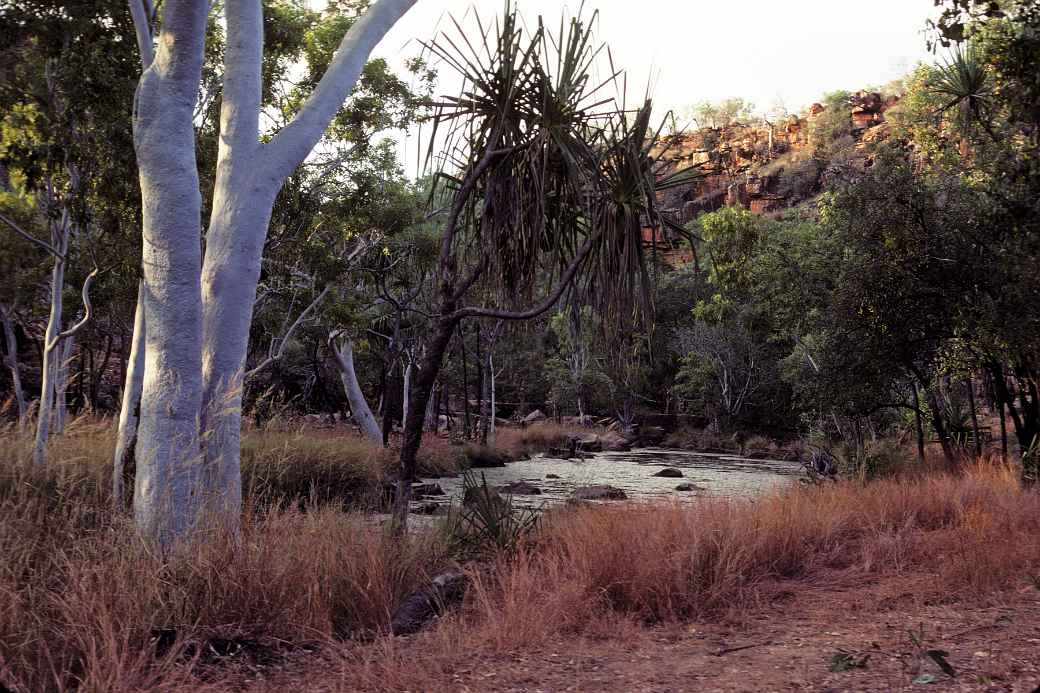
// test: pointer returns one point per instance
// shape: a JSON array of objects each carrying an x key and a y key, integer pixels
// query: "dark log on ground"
[{"x": 422, "y": 606}]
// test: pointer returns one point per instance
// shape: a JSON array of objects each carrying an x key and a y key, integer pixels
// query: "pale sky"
[{"x": 694, "y": 50}]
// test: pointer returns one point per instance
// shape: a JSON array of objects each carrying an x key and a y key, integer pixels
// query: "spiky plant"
[
  {"x": 551, "y": 182},
  {"x": 965, "y": 85}
]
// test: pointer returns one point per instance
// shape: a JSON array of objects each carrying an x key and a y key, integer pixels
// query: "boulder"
[
  {"x": 420, "y": 607},
  {"x": 534, "y": 417},
  {"x": 598, "y": 492},
  {"x": 670, "y": 472},
  {"x": 481, "y": 494},
  {"x": 427, "y": 490},
  {"x": 520, "y": 488},
  {"x": 590, "y": 444},
  {"x": 480, "y": 457},
  {"x": 552, "y": 476},
  {"x": 687, "y": 487}
]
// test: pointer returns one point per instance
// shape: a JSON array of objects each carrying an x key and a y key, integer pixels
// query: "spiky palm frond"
[
  {"x": 965, "y": 85},
  {"x": 562, "y": 172}
]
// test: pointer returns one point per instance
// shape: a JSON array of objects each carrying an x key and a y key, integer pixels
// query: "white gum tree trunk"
[
  {"x": 166, "y": 483},
  {"x": 407, "y": 389},
  {"x": 249, "y": 176},
  {"x": 60, "y": 242},
  {"x": 11, "y": 361},
  {"x": 198, "y": 322},
  {"x": 344, "y": 356},
  {"x": 62, "y": 363},
  {"x": 129, "y": 411}
]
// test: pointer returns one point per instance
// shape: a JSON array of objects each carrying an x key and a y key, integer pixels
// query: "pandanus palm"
[{"x": 551, "y": 183}]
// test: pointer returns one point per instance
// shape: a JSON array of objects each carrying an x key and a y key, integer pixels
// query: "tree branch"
[
  {"x": 272, "y": 357},
  {"x": 88, "y": 313},
  {"x": 534, "y": 312},
  {"x": 141, "y": 14},
  {"x": 240, "y": 100},
  {"x": 295, "y": 141},
  {"x": 32, "y": 239}
]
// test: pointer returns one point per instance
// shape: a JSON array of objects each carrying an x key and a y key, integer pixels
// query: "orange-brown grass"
[
  {"x": 81, "y": 597},
  {"x": 972, "y": 534},
  {"x": 538, "y": 437}
]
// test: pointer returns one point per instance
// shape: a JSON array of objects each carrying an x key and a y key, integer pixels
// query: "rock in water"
[
  {"x": 427, "y": 490},
  {"x": 670, "y": 472},
  {"x": 480, "y": 457},
  {"x": 520, "y": 488},
  {"x": 552, "y": 476},
  {"x": 420, "y": 607},
  {"x": 687, "y": 487},
  {"x": 598, "y": 492},
  {"x": 590, "y": 444},
  {"x": 534, "y": 416}
]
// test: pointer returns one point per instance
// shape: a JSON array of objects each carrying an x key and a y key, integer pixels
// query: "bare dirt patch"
[{"x": 867, "y": 637}]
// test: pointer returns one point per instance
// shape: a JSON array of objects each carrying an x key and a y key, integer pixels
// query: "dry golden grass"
[
  {"x": 973, "y": 533},
  {"x": 81, "y": 598}
]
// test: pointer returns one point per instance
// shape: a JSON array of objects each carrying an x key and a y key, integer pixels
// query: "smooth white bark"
[
  {"x": 407, "y": 388},
  {"x": 62, "y": 364},
  {"x": 129, "y": 411},
  {"x": 166, "y": 484},
  {"x": 60, "y": 243},
  {"x": 248, "y": 178},
  {"x": 198, "y": 323},
  {"x": 343, "y": 354}
]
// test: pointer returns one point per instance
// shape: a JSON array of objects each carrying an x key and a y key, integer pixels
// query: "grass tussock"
[
  {"x": 539, "y": 437},
  {"x": 302, "y": 465},
  {"x": 87, "y": 605}
]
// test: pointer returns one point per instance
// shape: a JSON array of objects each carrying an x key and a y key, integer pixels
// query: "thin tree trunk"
[
  {"x": 11, "y": 361},
  {"x": 940, "y": 427},
  {"x": 479, "y": 391},
  {"x": 344, "y": 357},
  {"x": 406, "y": 389},
  {"x": 50, "y": 343},
  {"x": 1003, "y": 431},
  {"x": 431, "y": 409},
  {"x": 491, "y": 370},
  {"x": 486, "y": 408},
  {"x": 465, "y": 384},
  {"x": 130, "y": 409},
  {"x": 62, "y": 364},
  {"x": 413, "y": 425},
  {"x": 918, "y": 423},
  {"x": 974, "y": 417}
]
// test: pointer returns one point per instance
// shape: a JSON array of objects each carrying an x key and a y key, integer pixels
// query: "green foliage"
[
  {"x": 487, "y": 523},
  {"x": 832, "y": 127}
]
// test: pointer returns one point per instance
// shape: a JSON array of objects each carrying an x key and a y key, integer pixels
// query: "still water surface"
[{"x": 633, "y": 472}]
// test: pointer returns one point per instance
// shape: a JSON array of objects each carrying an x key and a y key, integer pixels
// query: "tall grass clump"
[
  {"x": 85, "y": 604},
  {"x": 305, "y": 466}
]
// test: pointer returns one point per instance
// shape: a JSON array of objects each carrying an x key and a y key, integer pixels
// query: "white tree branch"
[
  {"x": 88, "y": 313},
  {"x": 295, "y": 141},
  {"x": 240, "y": 97},
  {"x": 141, "y": 13},
  {"x": 276, "y": 355}
]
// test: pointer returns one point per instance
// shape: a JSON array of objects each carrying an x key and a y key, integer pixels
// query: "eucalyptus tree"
[
  {"x": 197, "y": 322},
  {"x": 550, "y": 185},
  {"x": 63, "y": 75}
]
